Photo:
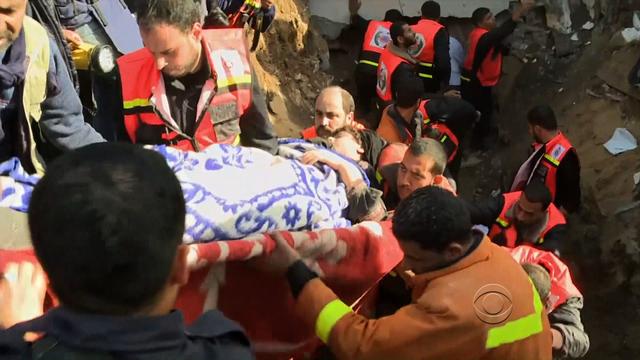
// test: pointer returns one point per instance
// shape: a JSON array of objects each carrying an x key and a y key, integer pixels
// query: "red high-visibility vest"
[
  {"x": 375, "y": 40},
  {"x": 547, "y": 168},
  {"x": 424, "y": 51},
  {"x": 311, "y": 132},
  {"x": 389, "y": 62},
  {"x": 489, "y": 72},
  {"x": 504, "y": 222},
  {"x": 562, "y": 286},
  {"x": 225, "y": 97},
  {"x": 439, "y": 131}
]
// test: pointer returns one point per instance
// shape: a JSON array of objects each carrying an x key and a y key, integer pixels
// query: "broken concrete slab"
[{"x": 615, "y": 71}]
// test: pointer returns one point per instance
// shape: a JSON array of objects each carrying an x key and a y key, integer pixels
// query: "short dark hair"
[
  {"x": 106, "y": 221},
  {"x": 393, "y": 15},
  {"x": 538, "y": 193},
  {"x": 432, "y": 217},
  {"x": 397, "y": 30},
  {"x": 430, "y": 10},
  {"x": 432, "y": 148},
  {"x": 409, "y": 93},
  {"x": 179, "y": 13},
  {"x": 543, "y": 116},
  {"x": 479, "y": 14}
]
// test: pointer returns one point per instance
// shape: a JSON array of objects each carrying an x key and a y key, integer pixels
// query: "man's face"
[
  {"x": 11, "y": 16},
  {"x": 345, "y": 145},
  {"x": 534, "y": 132},
  {"x": 330, "y": 115},
  {"x": 420, "y": 260},
  {"x": 414, "y": 173},
  {"x": 528, "y": 213},
  {"x": 176, "y": 53},
  {"x": 489, "y": 21},
  {"x": 408, "y": 36}
]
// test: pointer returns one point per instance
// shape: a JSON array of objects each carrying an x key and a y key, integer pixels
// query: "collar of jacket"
[
  {"x": 401, "y": 53},
  {"x": 481, "y": 252}
]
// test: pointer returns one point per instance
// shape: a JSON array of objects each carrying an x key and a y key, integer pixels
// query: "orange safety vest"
[
  {"x": 311, "y": 132},
  {"x": 547, "y": 168},
  {"x": 491, "y": 68},
  {"x": 424, "y": 51},
  {"x": 389, "y": 62},
  {"x": 562, "y": 286},
  {"x": 439, "y": 131},
  {"x": 225, "y": 97},
  {"x": 375, "y": 40},
  {"x": 504, "y": 224}
]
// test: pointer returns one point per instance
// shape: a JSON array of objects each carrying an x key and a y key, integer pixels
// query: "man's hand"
[
  {"x": 354, "y": 6},
  {"x": 22, "y": 290},
  {"x": 267, "y": 4},
  {"x": 280, "y": 259},
  {"x": 558, "y": 339},
  {"x": 453, "y": 93},
  {"x": 522, "y": 10},
  {"x": 72, "y": 38}
]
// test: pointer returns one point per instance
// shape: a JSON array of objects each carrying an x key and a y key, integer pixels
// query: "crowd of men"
[{"x": 479, "y": 280}]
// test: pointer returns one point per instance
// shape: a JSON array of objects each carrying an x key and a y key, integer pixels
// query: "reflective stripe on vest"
[
  {"x": 34, "y": 91},
  {"x": 222, "y": 101},
  {"x": 375, "y": 40},
  {"x": 547, "y": 169},
  {"x": 389, "y": 62},
  {"x": 519, "y": 329},
  {"x": 328, "y": 317},
  {"x": 491, "y": 67},
  {"x": 504, "y": 224},
  {"x": 446, "y": 137},
  {"x": 424, "y": 50}
]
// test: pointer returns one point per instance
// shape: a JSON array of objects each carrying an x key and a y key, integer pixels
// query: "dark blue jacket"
[
  {"x": 73, "y": 13},
  {"x": 68, "y": 334}
]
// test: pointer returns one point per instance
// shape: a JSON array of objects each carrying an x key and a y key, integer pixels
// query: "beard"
[{"x": 6, "y": 40}]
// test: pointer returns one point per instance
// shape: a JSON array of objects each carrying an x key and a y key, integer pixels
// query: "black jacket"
[{"x": 85, "y": 336}]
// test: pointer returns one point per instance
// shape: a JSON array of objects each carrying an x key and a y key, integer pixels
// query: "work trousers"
[{"x": 481, "y": 98}]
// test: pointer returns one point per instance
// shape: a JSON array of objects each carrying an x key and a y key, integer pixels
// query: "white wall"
[{"x": 338, "y": 10}]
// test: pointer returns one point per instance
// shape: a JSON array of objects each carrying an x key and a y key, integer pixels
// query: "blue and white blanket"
[{"x": 233, "y": 192}]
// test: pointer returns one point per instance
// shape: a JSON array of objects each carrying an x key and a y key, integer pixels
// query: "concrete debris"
[
  {"x": 636, "y": 178},
  {"x": 621, "y": 141},
  {"x": 589, "y": 25},
  {"x": 575, "y": 37}
]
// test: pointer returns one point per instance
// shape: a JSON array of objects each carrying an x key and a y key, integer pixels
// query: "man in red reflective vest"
[
  {"x": 334, "y": 110},
  {"x": 376, "y": 37},
  {"x": 446, "y": 119},
  {"x": 396, "y": 64},
  {"x": 527, "y": 217},
  {"x": 553, "y": 161},
  {"x": 563, "y": 301},
  {"x": 483, "y": 65},
  {"x": 432, "y": 49},
  {"x": 190, "y": 88}
]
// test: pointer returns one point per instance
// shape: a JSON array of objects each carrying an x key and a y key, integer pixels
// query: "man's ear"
[
  {"x": 350, "y": 118},
  {"x": 196, "y": 30},
  {"x": 454, "y": 251},
  {"x": 180, "y": 270}
]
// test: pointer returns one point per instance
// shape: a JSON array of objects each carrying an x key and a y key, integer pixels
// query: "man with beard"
[
  {"x": 396, "y": 64},
  {"x": 40, "y": 112},
  {"x": 190, "y": 88},
  {"x": 553, "y": 161},
  {"x": 523, "y": 217}
]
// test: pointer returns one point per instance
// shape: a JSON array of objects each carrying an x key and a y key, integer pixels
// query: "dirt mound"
[{"x": 288, "y": 63}]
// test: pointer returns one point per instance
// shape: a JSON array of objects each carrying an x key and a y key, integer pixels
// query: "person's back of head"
[
  {"x": 432, "y": 218},
  {"x": 396, "y": 31},
  {"x": 430, "y": 10},
  {"x": 393, "y": 15},
  {"x": 182, "y": 14},
  {"x": 106, "y": 222},
  {"x": 544, "y": 117},
  {"x": 478, "y": 15},
  {"x": 537, "y": 192},
  {"x": 540, "y": 278},
  {"x": 410, "y": 93}
]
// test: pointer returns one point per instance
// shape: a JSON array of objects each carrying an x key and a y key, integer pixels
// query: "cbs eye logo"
[{"x": 493, "y": 304}]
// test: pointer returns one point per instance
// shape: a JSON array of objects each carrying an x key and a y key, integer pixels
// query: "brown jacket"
[{"x": 450, "y": 317}]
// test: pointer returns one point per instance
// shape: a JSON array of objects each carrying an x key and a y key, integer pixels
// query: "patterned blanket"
[{"x": 234, "y": 192}]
